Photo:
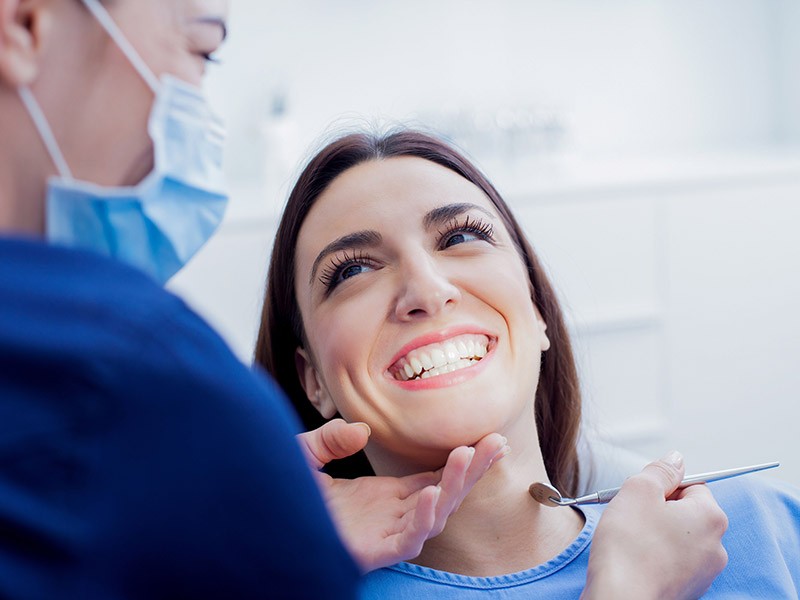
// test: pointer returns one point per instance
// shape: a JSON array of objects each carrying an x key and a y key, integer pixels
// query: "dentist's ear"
[
  {"x": 310, "y": 380},
  {"x": 23, "y": 25}
]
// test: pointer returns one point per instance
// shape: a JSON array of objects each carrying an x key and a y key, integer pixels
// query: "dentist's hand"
[
  {"x": 384, "y": 520},
  {"x": 654, "y": 541}
]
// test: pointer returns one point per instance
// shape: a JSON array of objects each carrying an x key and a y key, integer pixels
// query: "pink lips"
[{"x": 447, "y": 379}]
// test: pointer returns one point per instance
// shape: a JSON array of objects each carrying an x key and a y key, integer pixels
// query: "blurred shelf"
[
  {"x": 565, "y": 177},
  {"x": 614, "y": 321},
  {"x": 557, "y": 178},
  {"x": 633, "y": 431}
]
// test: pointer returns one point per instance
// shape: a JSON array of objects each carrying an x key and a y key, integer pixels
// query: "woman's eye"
[
  {"x": 459, "y": 238},
  {"x": 471, "y": 230},
  {"x": 351, "y": 271},
  {"x": 344, "y": 268}
]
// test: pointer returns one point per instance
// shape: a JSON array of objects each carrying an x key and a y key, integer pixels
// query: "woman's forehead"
[{"x": 378, "y": 193}]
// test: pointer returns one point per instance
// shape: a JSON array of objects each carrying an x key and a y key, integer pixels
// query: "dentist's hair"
[{"x": 558, "y": 402}]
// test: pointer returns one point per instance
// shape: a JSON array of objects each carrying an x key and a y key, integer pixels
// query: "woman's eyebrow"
[
  {"x": 445, "y": 214},
  {"x": 359, "y": 239}
]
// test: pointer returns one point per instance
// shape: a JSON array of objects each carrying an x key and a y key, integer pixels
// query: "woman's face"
[{"x": 417, "y": 310}]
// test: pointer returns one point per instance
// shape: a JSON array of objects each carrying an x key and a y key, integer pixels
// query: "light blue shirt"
[{"x": 762, "y": 541}]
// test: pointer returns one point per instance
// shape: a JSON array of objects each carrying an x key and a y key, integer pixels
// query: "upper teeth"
[{"x": 437, "y": 359}]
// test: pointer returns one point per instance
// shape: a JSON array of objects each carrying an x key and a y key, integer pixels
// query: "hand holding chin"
[{"x": 385, "y": 520}]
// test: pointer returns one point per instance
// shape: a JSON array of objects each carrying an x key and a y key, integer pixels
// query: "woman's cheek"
[{"x": 345, "y": 335}]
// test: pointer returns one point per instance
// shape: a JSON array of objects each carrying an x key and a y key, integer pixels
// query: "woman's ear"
[
  {"x": 545, "y": 344},
  {"x": 23, "y": 23},
  {"x": 316, "y": 393}
]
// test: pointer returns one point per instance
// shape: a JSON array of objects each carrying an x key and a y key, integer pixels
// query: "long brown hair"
[{"x": 558, "y": 403}]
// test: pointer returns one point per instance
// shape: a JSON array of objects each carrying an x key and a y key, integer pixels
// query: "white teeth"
[
  {"x": 409, "y": 371},
  {"x": 437, "y": 360},
  {"x": 449, "y": 368},
  {"x": 416, "y": 367},
  {"x": 438, "y": 357},
  {"x": 427, "y": 362}
]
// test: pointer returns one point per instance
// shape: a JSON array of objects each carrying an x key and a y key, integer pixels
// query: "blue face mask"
[{"x": 163, "y": 221}]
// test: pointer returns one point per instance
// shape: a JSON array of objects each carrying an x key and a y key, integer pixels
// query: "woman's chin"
[{"x": 432, "y": 445}]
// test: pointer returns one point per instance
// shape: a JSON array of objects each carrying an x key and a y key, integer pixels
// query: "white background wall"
[{"x": 665, "y": 208}]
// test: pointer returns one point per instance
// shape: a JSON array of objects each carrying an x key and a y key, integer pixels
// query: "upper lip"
[{"x": 434, "y": 337}]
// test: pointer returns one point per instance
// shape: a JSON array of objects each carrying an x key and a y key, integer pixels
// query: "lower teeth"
[{"x": 448, "y": 368}]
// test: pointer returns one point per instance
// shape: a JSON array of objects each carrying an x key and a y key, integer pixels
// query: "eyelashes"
[
  {"x": 351, "y": 263},
  {"x": 332, "y": 274},
  {"x": 455, "y": 230},
  {"x": 210, "y": 58}
]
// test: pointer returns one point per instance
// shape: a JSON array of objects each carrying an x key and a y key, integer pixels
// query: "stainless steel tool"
[{"x": 546, "y": 494}]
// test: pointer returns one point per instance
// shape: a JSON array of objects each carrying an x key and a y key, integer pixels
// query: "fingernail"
[
  {"x": 504, "y": 452},
  {"x": 471, "y": 452},
  {"x": 674, "y": 458},
  {"x": 369, "y": 429},
  {"x": 505, "y": 441}
]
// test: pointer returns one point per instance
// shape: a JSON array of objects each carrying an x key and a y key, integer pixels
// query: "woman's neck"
[{"x": 499, "y": 528}]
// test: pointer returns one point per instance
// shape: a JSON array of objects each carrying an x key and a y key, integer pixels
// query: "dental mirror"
[{"x": 546, "y": 494}]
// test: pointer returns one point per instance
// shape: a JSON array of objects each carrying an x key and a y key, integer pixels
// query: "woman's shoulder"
[
  {"x": 763, "y": 538},
  {"x": 755, "y": 495},
  {"x": 765, "y": 509}
]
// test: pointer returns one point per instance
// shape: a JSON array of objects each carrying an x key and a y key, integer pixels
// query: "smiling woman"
[
  {"x": 402, "y": 293},
  {"x": 406, "y": 206}
]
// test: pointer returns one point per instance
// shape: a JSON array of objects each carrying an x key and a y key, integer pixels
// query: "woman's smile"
[{"x": 424, "y": 362}]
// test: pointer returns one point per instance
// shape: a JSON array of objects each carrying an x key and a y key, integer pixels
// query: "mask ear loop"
[
  {"x": 45, "y": 132},
  {"x": 105, "y": 20}
]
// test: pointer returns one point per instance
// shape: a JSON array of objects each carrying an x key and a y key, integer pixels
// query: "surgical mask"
[{"x": 159, "y": 224}]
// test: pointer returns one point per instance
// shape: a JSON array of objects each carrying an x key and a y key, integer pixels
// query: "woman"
[{"x": 402, "y": 293}]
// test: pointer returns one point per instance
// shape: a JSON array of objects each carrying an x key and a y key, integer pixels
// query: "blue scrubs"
[
  {"x": 138, "y": 457},
  {"x": 762, "y": 541}
]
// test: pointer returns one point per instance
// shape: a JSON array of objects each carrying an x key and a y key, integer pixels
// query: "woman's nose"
[{"x": 425, "y": 291}]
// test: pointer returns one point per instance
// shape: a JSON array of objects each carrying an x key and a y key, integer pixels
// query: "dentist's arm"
[
  {"x": 654, "y": 542},
  {"x": 384, "y": 520}
]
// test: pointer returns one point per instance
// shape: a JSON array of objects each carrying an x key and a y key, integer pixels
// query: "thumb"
[
  {"x": 336, "y": 439},
  {"x": 666, "y": 472}
]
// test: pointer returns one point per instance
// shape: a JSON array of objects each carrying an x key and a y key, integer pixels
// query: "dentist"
[{"x": 138, "y": 457}]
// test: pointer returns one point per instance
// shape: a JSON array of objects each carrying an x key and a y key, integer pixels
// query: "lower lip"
[{"x": 448, "y": 379}]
